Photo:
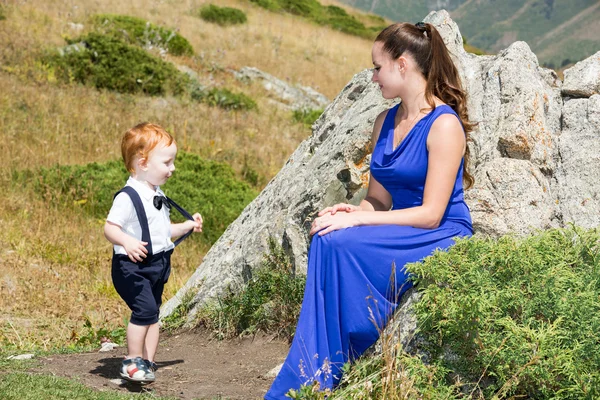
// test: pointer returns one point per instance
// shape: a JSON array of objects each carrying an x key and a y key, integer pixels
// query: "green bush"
[
  {"x": 224, "y": 98},
  {"x": 507, "y": 318},
  {"x": 108, "y": 63},
  {"x": 222, "y": 15},
  {"x": 306, "y": 116},
  {"x": 269, "y": 303},
  {"x": 140, "y": 32},
  {"x": 2, "y": 16},
  {"x": 197, "y": 185}
]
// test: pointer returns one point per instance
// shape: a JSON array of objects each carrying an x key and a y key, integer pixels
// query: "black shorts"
[{"x": 141, "y": 285}]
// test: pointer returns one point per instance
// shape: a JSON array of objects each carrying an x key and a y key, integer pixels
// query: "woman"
[{"x": 414, "y": 205}]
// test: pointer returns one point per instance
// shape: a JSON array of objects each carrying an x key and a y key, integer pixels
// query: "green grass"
[
  {"x": 21, "y": 386},
  {"x": 223, "y": 16},
  {"x": 208, "y": 187}
]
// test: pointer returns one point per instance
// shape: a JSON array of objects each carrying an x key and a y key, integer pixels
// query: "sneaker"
[
  {"x": 151, "y": 365},
  {"x": 136, "y": 370}
]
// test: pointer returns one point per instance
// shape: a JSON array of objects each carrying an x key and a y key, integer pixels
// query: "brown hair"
[
  {"x": 140, "y": 140},
  {"x": 427, "y": 47}
]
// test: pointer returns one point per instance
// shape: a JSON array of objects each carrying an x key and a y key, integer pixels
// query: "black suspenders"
[{"x": 141, "y": 214}]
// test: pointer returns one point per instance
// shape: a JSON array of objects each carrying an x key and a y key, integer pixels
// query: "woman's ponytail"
[{"x": 425, "y": 44}]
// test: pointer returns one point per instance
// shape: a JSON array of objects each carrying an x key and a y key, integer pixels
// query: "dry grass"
[{"x": 55, "y": 263}]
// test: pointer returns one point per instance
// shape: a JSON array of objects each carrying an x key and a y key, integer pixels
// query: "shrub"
[
  {"x": 108, "y": 63},
  {"x": 140, "y": 32},
  {"x": 512, "y": 318},
  {"x": 306, "y": 116},
  {"x": 222, "y": 15},
  {"x": 521, "y": 315},
  {"x": 224, "y": 98},
  {"x": 2, "y": 16},
  {"x": 269, "y": 303},
  {"x": 198, "y": 185}
]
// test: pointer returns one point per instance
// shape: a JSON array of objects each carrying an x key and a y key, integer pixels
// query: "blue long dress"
[{"x": 350, "y": 291}]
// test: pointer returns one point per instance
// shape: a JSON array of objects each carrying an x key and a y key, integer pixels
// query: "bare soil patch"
[{"x": 191, "y": 366}]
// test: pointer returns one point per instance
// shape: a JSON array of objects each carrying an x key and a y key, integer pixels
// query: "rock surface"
[
  {"x": 535, "y": 155},
  {"x": 286, "y": 95}
]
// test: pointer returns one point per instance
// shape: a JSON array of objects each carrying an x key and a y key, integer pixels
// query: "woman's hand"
[
  {"x": 339, "y": 207},
  {"x": 330, "y": 222}
]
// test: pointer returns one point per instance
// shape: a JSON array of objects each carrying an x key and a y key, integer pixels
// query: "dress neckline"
[{"x": 409, "y": 133}]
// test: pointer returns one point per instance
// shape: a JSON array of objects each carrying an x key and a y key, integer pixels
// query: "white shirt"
[{"x": 122, "y": 213}]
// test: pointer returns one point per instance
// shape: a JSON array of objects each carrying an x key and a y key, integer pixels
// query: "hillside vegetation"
[
  {"x": 61, "y": 123},
  {"x": 559, "y": 32}
]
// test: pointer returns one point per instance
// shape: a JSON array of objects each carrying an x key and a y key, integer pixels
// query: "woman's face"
[{"x": 386, "y": 72}]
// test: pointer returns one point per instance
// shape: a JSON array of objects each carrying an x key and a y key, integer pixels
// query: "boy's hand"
[
  {"x": 135, "y": 249},
  {"x": 196, "y": 224},
  {"x": 182, "y": 228}
]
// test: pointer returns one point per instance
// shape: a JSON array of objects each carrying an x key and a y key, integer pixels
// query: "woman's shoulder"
[
  {"x": 445, "y": 124},
  {"x": 379, "y": 121}
]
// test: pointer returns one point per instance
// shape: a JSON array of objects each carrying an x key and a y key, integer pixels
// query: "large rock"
[
  {"x": 331, "y": 166},
  {"x": 578, "y": 178},
  {"x": 583, "y": 79},
  {"x": 535, "y": 157},
  {"x": 292, "y": 97}
]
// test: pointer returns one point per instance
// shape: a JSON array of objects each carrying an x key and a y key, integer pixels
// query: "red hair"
[{"x": 140, "y": 140}]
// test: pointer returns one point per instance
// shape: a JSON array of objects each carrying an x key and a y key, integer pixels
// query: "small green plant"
[
  {"x": 270, "y": 302},
  {"x": 224, "y": 98},
  {"x": 222, "y": 15},
  {"x": 306, "y": 116},
  {"x": 106, "y": 62},
  {"x": 2, "y": 16},
  {"x": 178, "y": 317},
  {"x": 137, "y": 31},
  {"x": 90, "y": 188},
  {"x": 93, "y": 336}
]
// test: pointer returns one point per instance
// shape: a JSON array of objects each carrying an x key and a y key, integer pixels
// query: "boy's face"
[{"x": 160, "y": 164}]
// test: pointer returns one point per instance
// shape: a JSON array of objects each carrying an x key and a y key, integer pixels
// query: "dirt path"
[{"x": 191, "y": 366}]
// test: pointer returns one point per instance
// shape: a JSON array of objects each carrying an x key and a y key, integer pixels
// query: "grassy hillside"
[
  {"x": 559, "y": 32},
  {"x": 54, "y": 262}
]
